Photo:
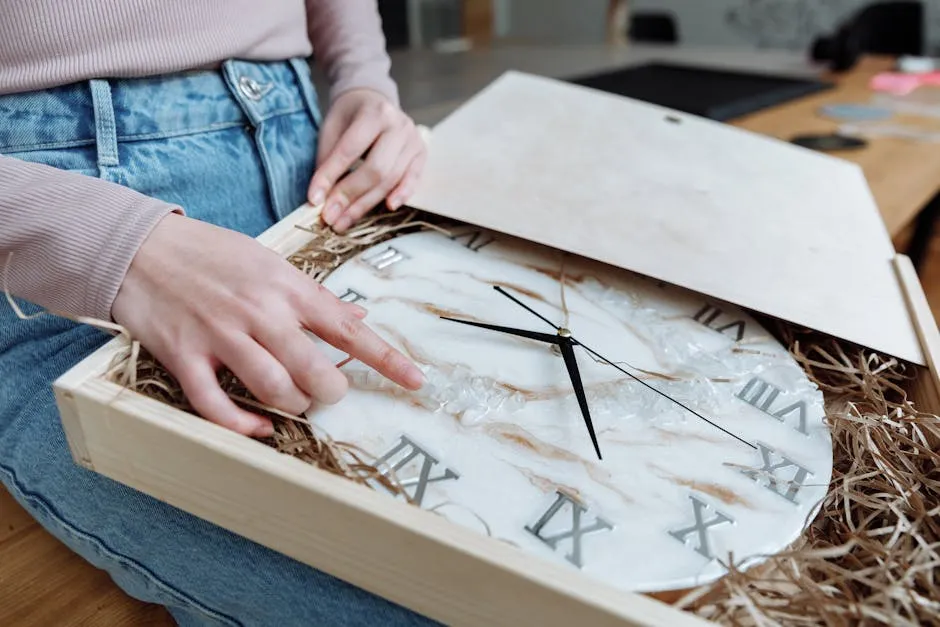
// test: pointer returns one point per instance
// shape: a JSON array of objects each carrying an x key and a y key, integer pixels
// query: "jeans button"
[{"x": 250, "y": 87}]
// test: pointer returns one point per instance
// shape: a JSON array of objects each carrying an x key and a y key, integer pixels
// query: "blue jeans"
[{"x": 235, "y": 147}]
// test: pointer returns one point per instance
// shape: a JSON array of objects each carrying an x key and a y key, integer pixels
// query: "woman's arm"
[
  {"x": 364, "y": 115},
  {"x": 349, "y": 46},
  {"x": 197, "y": 296},
  {"x": 67, "y": 240}
]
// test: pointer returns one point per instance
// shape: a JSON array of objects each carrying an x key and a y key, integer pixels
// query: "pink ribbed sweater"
[{"x": 73, "y": 237}]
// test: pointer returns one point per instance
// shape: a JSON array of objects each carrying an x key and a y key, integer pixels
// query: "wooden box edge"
[{"x": 185, "y": 461}]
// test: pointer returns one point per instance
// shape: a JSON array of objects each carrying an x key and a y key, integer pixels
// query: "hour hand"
[
  {"x": 571, "y": 361},
  {"x": 532, "y": 335}
]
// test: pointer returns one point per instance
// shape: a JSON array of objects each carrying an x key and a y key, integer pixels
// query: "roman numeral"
[
  {"x": 410, "y": 451},
  {"x": 384, "y": 257},
  {"x": 352, "y": 296},
  {"x": 475, "y": 240},
  {"x": 709, "y": 315},
  {"x": 574, "y": 532},
  {"x": 701, "y": 527},
  {"x": 765, "y": 475},
  {"x": 763, "y": 395}
]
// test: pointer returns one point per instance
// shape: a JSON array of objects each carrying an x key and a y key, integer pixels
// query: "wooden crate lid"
[{"x": 734, "y": 215}]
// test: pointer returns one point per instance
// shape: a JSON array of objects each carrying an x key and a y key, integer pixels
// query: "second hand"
[{"x": 607, "y": 361}]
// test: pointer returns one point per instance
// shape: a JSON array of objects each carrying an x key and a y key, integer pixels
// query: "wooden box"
[{"x": 401, "y": 552}]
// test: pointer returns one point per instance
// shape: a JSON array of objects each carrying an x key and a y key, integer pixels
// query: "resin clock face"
[{"x": 715, "y": 446}]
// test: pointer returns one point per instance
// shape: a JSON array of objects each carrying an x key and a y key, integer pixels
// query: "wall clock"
[{"x": 624, "y": 427}]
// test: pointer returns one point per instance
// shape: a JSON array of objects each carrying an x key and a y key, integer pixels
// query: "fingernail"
[
  {"x": 343, "y": 223},
  {"x": 332, "y": 212},
  {"x": 361, "y": 312},
  {"x": 414, "y": 378},
  {"x": 266, "y": 430},
  {"x": 394, "y": 203},
  {"x": 318, "y": 197}
]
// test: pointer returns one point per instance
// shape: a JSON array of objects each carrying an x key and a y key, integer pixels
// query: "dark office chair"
[
  {"x": 653, "y": 28},
  {"x": 892, "y": 28}
]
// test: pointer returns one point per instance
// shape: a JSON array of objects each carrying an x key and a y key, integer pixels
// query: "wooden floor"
[{"x": 43, "y": 584}]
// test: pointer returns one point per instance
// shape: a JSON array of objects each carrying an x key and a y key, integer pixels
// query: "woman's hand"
[
  {"x": 199, "y": 297},
  {"x": 363, "y": 120}
]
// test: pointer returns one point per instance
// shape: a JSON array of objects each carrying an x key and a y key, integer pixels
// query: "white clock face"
[{"x": 725, "y": 452}]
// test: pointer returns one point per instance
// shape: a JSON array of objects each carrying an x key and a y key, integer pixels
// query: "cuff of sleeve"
[
  {"x": 382, "y": 84},
  {"x": 118, "y": 251}
]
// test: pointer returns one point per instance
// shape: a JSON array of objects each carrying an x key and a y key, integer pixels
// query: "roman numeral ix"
[
  {"x": 701, "y": 527},
  {"x": 763, "y": 396},
  {"x": 709, "y": 316},
  {"x": 574, "y": 532},
  {"x": 765, "y": 475},
  {"x": 410, "y": 451}
]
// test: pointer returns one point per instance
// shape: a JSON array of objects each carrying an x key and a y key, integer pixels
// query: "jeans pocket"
[{"x": 78, "y": 159}]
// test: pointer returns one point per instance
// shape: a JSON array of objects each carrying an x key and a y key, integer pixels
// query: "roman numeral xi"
[{"x": 767, "y": 475}]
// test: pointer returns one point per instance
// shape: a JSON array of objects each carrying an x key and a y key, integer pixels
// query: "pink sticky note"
[{"x": 902, "y": 84}]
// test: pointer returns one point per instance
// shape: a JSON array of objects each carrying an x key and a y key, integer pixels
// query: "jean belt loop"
[
  {"x": 105, "y": 126},
  {"x": 307, "y": 90}
]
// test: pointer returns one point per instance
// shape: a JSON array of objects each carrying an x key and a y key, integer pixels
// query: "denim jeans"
[{"x": 236, "y": 148}]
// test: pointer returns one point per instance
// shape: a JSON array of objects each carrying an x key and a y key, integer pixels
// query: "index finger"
[
  {"x": 353, "y": 143},
  {"x": 348, "y": 333}
]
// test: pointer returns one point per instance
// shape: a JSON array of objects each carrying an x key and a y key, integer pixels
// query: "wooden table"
[{"x": 904, "y": 176}]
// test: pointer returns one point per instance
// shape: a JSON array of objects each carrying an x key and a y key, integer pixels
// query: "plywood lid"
[{"x": 731, "y": 214}]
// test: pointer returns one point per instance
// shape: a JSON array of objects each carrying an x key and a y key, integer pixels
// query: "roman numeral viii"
[
  {"x": 404, "y": 453},
  {"x": 574, "y": 532},
  {"x": 766, "y": 475},
  {"x": 716, "y": 320},
  {"x": 763, "y": 396},
  {"x": 701, "y": 527}
]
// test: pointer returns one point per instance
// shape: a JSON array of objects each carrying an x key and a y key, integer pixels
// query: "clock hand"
[
  {"x": 526, "y": 307},
  {"x": 532, "y": 335},
  {"x": 566, "y": 344},
  {"x": 680, "y": 404},
  {"x": 610, "y": 363},
  {"x": 571, "y": 361}
]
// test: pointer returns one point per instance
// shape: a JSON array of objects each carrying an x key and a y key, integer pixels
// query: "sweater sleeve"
[
  {"x": 72, "y": 237},
  {"x": 348, "y": 43}
]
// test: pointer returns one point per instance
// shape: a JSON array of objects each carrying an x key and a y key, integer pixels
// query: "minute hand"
[{"x": 574, "y": 341}]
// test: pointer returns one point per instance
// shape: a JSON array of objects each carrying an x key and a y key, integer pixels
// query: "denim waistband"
[{"x": 239, "y": 93}]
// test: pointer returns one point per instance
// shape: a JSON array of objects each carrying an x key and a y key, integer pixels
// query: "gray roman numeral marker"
[
  {"x": 475, "y": 240},
  {"x": 709, "y": 316},
  {"x": 384, "y": 257},
  {"x": 765, "y": 475},
  {"x": 410, "y": 451},
  {"x": 701, "y": 527},
  {"x": 352, "y": 296},
  {"x": 574, "y": 532},
  {"x": 763, "y": 395}
]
